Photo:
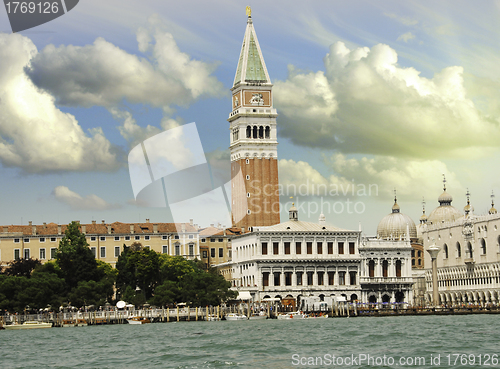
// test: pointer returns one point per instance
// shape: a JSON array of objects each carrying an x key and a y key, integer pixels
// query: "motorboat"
[
  {"x": 292, "y": 315},
  {"x": 81, "y": 323},
  {"x": 260, "y": 316},
  {"x": 33, "y": 324},
  {"x": 235, "y": 316},
  {"x": 138, "y": 320},
  {"x": 317, "y": 316}
]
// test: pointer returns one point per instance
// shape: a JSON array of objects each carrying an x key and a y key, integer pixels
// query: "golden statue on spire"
[{"x": 249, "y": 11}]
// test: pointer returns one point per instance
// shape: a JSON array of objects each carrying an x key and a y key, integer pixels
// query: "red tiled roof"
[{"x": 100, "y": 228}]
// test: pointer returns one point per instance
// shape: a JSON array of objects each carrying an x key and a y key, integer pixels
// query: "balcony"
[{"x": 385, "y": 280}]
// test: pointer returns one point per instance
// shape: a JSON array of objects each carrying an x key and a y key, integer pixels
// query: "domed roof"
[
  {"x": 444, "y": 212},
  {"x": 445, "y": 198},
  {"x": 396, "y": 225}
]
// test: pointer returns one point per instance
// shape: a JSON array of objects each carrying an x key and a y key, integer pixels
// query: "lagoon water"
[{"x": 263, "y": 344}]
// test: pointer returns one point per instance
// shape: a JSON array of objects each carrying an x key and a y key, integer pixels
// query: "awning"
[{"x": 244, "y": 295}]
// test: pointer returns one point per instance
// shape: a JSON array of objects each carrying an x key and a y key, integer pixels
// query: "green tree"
[
  {"x": 74, "y": 258},
  {"x": 166, "y": 294},
  {"x": 205, "y": 288},
  {"x": 21, "y": 267},
  {"x": 138, "y": 267},
  {"x": 174, "y": 268}
]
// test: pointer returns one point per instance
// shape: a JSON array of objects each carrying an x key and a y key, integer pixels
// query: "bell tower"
[{"x": 253, "y": 137}]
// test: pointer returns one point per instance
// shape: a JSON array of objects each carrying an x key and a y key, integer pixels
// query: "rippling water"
[{"x": 259, "y": 344}]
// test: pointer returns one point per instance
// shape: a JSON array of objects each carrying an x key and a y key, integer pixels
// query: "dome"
[
  {"x": 444, "y": 213},
  {"x": 445, "y": 198},
  {"x": 396, "y": 225}
]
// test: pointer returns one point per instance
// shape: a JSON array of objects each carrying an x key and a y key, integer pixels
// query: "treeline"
[{"x": 76, "y": 278}]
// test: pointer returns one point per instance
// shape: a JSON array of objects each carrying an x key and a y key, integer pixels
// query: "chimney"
[
  {"x": 93, "y": 222},
  {"x": 59, "y": 229},
  {"x": 242, "y": 229},
  {"x": 191, "y": 222},
  {"x": 44, "y": 225},
  {"x": 155, "y": 228},
  {"x": 109, "y": 229},
  {"x": 84, "y": 228},
  {"x": 131, "y": 228},
  {"x": 33, "y": 230},
  {"x": 103, "y": 221},
  {"x": 147, "y": 220},
  {"x": 30, "y": 223}
]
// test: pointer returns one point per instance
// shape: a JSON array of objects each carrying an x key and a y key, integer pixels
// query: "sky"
[{"x": 372, "y": 97}]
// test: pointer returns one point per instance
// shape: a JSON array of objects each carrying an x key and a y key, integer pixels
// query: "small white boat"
[
  {"x": 260, "y": 316},
  {"x": 138, "y": 320},
  {"x": 29, "y": 325},
  {"x": 292, "y": 315},
  {"x": 234, "y": 316},
  {"x": 212, "y": 318}
]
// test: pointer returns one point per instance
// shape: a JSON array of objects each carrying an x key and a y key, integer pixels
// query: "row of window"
[
  {"x": 385, "y": 268},
  {"x": 213, "y": 240},
  {"x": 324, "y": 278},
  {"x": 309, "y": 248},
  {"x": 103, "y": 238},
  {"x": 102, "y": 251},
  {"x": 41, "y": 239},
  {"x": 469, "y": 249}
]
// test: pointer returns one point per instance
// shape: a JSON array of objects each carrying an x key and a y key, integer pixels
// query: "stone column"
[
  {"x": 433, "y": 251},
  {"x": 294, "y": 278}
]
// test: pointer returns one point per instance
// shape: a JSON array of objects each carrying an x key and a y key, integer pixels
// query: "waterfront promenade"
[{"x": 115, "y": 316}]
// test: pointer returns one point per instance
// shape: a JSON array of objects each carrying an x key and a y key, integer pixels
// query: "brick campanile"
[{"x": 254, "y": 142}]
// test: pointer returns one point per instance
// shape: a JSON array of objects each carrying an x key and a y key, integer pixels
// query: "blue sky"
[{"x": 385, "y": 94}]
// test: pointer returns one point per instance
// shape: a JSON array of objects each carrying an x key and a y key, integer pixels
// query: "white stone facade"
[{"x": 468, "y": 262}]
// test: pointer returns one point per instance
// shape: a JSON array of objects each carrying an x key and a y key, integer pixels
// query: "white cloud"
[
  {"x": 34, "y": 134},
  {"x": 407, "y": 21},
  {"x": 301, "y": 179},
  {"x": 365, "y": 102},
  {"x": 77, "y": 202},
  {"x": 406, "y": 37},
  {"x": 134, "y": 133},
  {"x": 411, "y": 178},
  {"x": 103, "y": 74}
]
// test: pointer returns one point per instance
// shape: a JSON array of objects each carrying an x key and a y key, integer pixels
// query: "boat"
[
  {"x": 260, "y": 316},
  {"x": 235, "y": 316},
  {"x": 292, "y": 315},
  {"x": 68, "y": 323},
  {"x": 138, "y": 320},
  {"x": 317, "y": 316},
  {"x": 81, "y": 323},
  {"x": 212, "y": 318},
  {"x": 33, "y": 324}
]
